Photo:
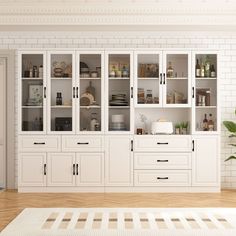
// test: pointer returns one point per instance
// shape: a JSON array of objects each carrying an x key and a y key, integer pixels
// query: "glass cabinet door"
[
  {"x": 177, "y": 79},
  {"x": 32, "y": 92},
  {"x": 91, "y": 92},
  {"x": 206, "y": 77},
  {"x": 148, "y": 89},
  {"x": 62, "y": 92},
  {"x": 119, "y": 79}
]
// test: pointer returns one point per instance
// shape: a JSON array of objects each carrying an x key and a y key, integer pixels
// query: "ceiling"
[{"x": 153, "y": 14}]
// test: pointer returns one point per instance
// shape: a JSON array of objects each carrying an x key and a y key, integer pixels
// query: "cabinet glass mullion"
[
  {"x": 32, "y": 100},
  {"x": 119, "y": 83},
  {"x": 90, "y": 86},
  {"x": 61, "y": 83}
]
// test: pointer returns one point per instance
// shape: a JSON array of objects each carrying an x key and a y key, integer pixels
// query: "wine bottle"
[
  {"x": 198, "y": 69},
  {"x": 202, "y": 69},
  {"x": 213, "y": 71},
  {"x": 205, "y": 123},
  {"x": 210, "y": 123}
]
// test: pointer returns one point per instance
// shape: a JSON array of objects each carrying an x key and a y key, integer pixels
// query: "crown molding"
[{"x": 122, "y": 12}]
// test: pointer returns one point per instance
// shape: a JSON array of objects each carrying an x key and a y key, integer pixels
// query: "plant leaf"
[
  {"x": 230, "y": 158},
  {"x": 232, "y": 136},
  {"x": 230, "y": 126},
  {"x": 232, "y": 144}
]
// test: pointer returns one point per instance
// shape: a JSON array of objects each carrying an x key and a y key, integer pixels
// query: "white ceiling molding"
[{"x": 118, "y": 12}]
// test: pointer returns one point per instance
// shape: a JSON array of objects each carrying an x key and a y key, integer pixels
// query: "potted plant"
[
  {"x": 177, "y": 128},
  {"x": 231, "y": 127},
  {"x": 184, "y": 127}
]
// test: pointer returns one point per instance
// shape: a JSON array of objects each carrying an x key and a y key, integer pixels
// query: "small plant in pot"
[
  {"x": 177, "y": 128},
  {"x": 231, "y": 127},
  {"x": 184, "y": 127}
]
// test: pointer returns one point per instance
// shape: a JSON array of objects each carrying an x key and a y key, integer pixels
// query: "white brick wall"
[{"x": 223, "y": 41}]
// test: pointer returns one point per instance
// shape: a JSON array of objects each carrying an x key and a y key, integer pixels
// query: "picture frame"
[{"x": 36, "y": 93}]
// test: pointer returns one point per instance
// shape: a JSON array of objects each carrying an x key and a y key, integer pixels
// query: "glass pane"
[
  {"x": 119, "y": 92},
  {"x": 148, "y": 79},
  {"x": 90, "y": 92},
  {"x": 61, "y": 92},
  {"x": 206, "y": 92},
  {"x": 177, "y": 78},
  {"x": 32, "y": 92}
]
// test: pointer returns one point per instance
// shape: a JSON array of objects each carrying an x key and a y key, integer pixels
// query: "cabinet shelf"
[
  {"x": 61, "y": 107},
  {"x": 31, "y": 107},
  {"x": 205, "y": 107},
  {"x": 177, "y": 78},
  {"x": 90, "y": 78},
  {"x": 119, "y": 107},
  {"x": 90, "y": 107},
  {"x": 147, "y": 78},
  {"x": 61, "y": 78},
  {"x": 31, "y": 78},
  {"x": 119, "y": 78},
  {"x": 205, "y": 78}
]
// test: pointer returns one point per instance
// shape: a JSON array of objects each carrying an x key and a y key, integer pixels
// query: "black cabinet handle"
[
  {"x": 73, "y": 92},
  {"x": 132, "y": 92},
  {"x": 45, "y": 92},
  {"x": 77, "y": 169},
  {"x": 73, "y": 169},
  {"x": 45, "y": 169},
  {"x": 161, "y": 78},
  {"x": 162, "y": 143},
  {"x": 132, "y": 145},
  {"x": 83, "y": 143},
  {"x": 162, "y": 178},
  {"x": 162, "y": 160},
  {"x": 193, "y": 145},
  {"x": 77, "y": 92},
  {"x": 193, "y": 92},
  {"x": 43, "y": 143},
  {"x": 164, "y": 78}
]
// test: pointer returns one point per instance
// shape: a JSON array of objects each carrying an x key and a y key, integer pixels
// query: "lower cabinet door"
[
  {"x": 32, "y": 169},
  {"x": 206, "y": 161},
  {"x": 90, "y": 169},
  {"x": 119, "y": 161},
  {"x": 61, "y": 169}
]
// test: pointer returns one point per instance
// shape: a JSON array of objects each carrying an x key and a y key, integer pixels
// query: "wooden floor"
[{"x": 12, "y": 203}]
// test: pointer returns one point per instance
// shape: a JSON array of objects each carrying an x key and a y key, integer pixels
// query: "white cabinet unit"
[
  {"x": 32, "y": 169},
  {"x": 119, "y": 161},
  {"x": 206, "y": 161},
  {"x": 86, "y": 120}
]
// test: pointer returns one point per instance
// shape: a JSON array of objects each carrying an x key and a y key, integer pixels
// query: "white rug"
[{"x": 123, "y": 222}]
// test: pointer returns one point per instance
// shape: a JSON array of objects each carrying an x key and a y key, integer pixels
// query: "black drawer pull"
[
  {"x": 43, "y": 143},
  {"x": 73, "y": 169},
  {"x": 77, "y": 169},
  {"x": 45, "y": 169},
  {"x": 162, "y": 143},
  {"x": 162, "y": 178},
  {"x": 83, "y": 143},
  {"x": 162, "y": 160}
]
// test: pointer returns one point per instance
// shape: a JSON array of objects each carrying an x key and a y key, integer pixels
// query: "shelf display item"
[
  {"x": 205, "y": 123},
  {"x": 118, "y": 122},
  {"x": 198, "y": 69},
  {"x": 170, "y": 70},
  {"x": 210, "y": 123},
  {"x": 213, "y": 71},
  {"x": 84, "y": 70},
  {"x": 40, "y": 71},
  {"x": 161, "y": 127},
  {"x": 58, "y": 68},
  {"x": 94, "y": 124},
  {"x": 148, "y": 70},
  {"x": 91, "y": 90},
  {"x": 207, "y": 67},
  {"x": 118, "y": 100},
  {"x": 63, "y": 124},
  {"x": 203, "y": 97},
  {"x": 141, "y": 96},
  {"x": 59, "y": 99},
  {"x": 35, "y": 95},
  {"x": 119, "y": 70},
  {"x": 86, "y": 99},
  {"x": 149, "y": 99}
]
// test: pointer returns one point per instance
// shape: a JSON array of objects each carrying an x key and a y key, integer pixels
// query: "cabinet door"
[
  {"x": 119, "y": 161},
  {"x": 176, "y": 79},
  {"x": 205, "y": 161},
  {"x": 32, "y": 170},
  {"x": 32, "y": 92},
  {"x": 90, "y": 169},
  {"x": 61, "y": 169}
]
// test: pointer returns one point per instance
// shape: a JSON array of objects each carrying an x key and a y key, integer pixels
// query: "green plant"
[
  {"x": 184, "y": 125},
  {"x": 231, "y": 127}
]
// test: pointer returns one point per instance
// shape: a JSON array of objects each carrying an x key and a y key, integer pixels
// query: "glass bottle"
[
  {"x": 59, "y": 99},
  {"x": 170, "y": 71},
  {"x": 213, "y": 71},
  {"x": 202, "y": 69},
  {"x": 198, "y": 69},
  {"x": 205, "y": 123},
  {"x": 207, "y": 67},
  {"x": 210, "y": 123}
]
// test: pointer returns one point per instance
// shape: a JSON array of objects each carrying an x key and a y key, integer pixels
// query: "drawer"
[
  {"x": 157, "y": 161},
  {"x": 85, "y": 143},
  {"x": 162, "y": 178},
  {"x": 162, "y": 143},
  {"x": 39, "y": 143}
]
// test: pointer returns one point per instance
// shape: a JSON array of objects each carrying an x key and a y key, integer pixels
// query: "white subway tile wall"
[{"x": 222, "y": 41}]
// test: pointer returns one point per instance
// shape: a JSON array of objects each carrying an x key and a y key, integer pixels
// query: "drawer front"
[
  {"x": 163, "y": 143},
  {"x": 40, "y": 143},
  {"x": 159, "y": 161},
  {"x": 81, "y": 144},
  {"x": 162, "y": 178}
]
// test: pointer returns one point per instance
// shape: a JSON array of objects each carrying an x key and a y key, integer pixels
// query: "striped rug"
[{"x": 123, "y": 222}]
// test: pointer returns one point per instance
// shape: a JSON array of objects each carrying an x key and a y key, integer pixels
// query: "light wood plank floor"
[{"x": 12, "y": 203}]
